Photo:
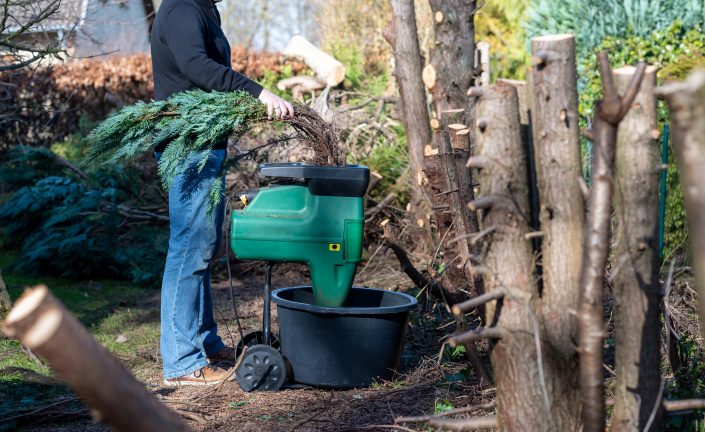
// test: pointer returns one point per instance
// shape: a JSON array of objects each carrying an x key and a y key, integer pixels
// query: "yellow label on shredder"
[{"x": 334, "y": 247}]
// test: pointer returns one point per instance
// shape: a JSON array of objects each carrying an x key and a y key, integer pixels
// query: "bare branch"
[
  {"x": 381, "y": 205},
  {"x": 470, "y": 424},
  {"x": 584, "y": 188},
  {"x": 632, "y": 89},
  {"x": 539, "y": 58},
  {"x": 475, "y": 237},
  {"x": 483, "y": 203},
  {"x": 478, "y": 162},
  {"x": 61, "y": 161},
  {"x": 473, "y": 303},
  {"x": 609, "y": 92},
  {"x": 681, "y": 405},
  {"x": 475, "y": 92},
  {"x": 406, "y": 266},
  {"x": 535, "y": 234},
  {"x": 479, "y": 334},
  {"x": 694, "y": 82},
  {"x": 462, "y": 410}
]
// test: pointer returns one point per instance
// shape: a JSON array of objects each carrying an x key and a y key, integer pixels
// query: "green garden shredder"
[{"x": 312, "y": 215}]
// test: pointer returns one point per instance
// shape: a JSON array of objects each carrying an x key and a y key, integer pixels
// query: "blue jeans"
[{"x": 188, "y": 331}]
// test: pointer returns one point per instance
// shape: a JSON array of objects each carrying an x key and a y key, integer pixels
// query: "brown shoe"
[
  {"x": 207, "y": 375},
  {"x": 226, "y": 353}
]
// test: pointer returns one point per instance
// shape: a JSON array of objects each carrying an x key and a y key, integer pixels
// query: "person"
[{"x": 190, "y": 51}]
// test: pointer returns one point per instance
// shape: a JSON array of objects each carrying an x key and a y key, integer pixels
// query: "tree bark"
[
  {"x": 523, "y": 90},
  {"x": 44, "y": 325},
  {"x": 451, "y": 189},
  {"x": 637, "y": 290},
  {"x": 687, "y": 106},
  {"x": 554, "y": 117},
  {"x": 5, "y": 299},
  {"x": 609, "y": 112},
  {"x": 453, "y": 60},
  {"x": 402, "y": 37},
  {"x": 520, "y": 392}
]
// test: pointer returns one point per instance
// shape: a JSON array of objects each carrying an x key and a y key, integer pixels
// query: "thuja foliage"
[
  {"x": 676, "y": 51},
  {"x": 593, "y": 20},
  {"x": 63, "y": 224},
  {"x": 193, "y": 123}
]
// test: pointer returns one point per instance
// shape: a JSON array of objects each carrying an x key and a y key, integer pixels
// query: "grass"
[{"x": 107, "y": 308}]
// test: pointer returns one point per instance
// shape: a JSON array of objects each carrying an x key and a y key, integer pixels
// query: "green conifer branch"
[{"x": 196, "y": 120}]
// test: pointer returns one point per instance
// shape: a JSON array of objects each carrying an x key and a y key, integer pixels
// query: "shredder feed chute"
[{"x": 316, "y": 218}]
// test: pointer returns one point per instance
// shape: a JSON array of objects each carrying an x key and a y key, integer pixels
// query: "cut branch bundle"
[
  {"x": 195, "y": 121},
  {"x": 45, "y": 326}
]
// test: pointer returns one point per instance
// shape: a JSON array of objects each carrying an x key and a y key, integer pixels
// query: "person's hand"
[{"x": 276, "y": 105}]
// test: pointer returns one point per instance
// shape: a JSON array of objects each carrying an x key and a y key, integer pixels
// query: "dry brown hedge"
[{"x": 43, "y": 106}]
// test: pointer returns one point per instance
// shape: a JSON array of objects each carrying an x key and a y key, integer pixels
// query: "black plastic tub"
[{"x": 351, "y": 346}]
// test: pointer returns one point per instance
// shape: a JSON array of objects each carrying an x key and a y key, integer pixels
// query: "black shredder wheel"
[
  {"x": 262, "y": 369},
  {"x": 256, "y": 337}
]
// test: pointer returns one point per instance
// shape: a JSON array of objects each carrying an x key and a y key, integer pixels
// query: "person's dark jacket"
[{"x": 190, "y": 51}]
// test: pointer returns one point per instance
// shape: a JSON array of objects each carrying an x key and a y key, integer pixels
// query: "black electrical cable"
[{"x": 227, "y": 259}]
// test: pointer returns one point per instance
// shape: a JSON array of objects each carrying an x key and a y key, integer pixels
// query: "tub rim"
[{"x": 411, "y": 304}]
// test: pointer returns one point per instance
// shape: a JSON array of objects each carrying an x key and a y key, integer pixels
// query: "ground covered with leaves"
[
  {"x": 431, "y": 378},
  {"x": 125, "y": 319}
]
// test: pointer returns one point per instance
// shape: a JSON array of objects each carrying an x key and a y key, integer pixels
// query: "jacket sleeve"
[{"x": 186, "y": 38}]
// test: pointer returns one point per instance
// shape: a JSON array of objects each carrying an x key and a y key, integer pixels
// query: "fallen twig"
[
  {"x": 38, "y": 411},
  {"x": 469, "y": 424},
  {"x": 190, "y": 415},
  {"x": 397, "y": 427},
  {"x": 681, "y": 405},
  {"x": 462, "y": 410},
  {"x": 381, "y": 205},
  {"x": 33, "y": 356},
  {"x": 211, "y": 392}
]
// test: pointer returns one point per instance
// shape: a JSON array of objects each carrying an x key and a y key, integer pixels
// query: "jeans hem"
[{"x": 220, "y": 344}]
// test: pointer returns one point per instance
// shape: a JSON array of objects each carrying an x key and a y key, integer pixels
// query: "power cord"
[{"x": 227, "y": 259}]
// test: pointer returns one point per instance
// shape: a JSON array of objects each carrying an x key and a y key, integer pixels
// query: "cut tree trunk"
[
  {"x": 637, "y": 291},
  {"x": 326, "y": 68},
  {"x": 402, "y": 37},
  {"x": 5, "y": 299},
  {"x": 46, "y": 327},
  {"x": 452, "y": 60},
  {"x": 508, "y": 264},
  {"x": 450, "y": 190},
  {"x": 554, "y": 105},
  {"x": 523, "y": 90},
  {"x": 687, "y": 104},
  {"x": 609, "y": 112}
]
